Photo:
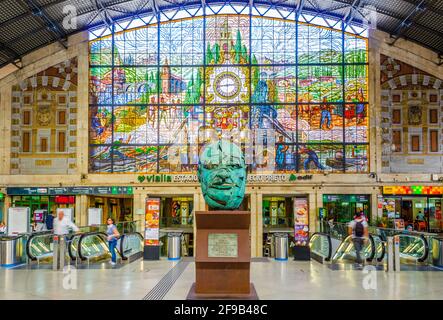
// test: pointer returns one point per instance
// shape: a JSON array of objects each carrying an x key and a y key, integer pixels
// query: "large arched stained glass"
[{"x": 155, "y": 88}]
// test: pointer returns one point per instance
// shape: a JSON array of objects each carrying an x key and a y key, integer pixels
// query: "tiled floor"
[{"x": 272, "y": 280}]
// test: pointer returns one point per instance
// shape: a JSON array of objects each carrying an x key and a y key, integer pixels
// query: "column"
[
  {"x": 7, "y": 205},
  {"x": 82, "y": 109},
  {"x": 374, "y": 205},
  {"x": 374, "y": 110},
  {"x": 5, "y": 129},
  {"x": 139, "y": 210},
  {"x": 81, "y": 210},
  {"x": 314, "y": 204}
]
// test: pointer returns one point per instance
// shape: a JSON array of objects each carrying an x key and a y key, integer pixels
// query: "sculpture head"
[{"x": 222, "y": 175}]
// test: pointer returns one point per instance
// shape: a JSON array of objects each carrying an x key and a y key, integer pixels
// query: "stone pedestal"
[{"x": 223, "y": 256}]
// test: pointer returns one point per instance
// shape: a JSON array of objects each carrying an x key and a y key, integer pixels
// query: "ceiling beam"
[
  {"x": 13, "y": 57},
  {"x": 50, "y": 24},
  {"x": 28, "y": 13},
  {"x": 300, "y": 6},
  {"x": 407, "y": 22},
  {"x": 102, "y": 11},
  {"x": 353, "y": 9}
]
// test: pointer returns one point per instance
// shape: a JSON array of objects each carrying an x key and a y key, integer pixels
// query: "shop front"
[
  {"x": 118, "y": 207},
  {"x": 417, "y": 206},
  {"x": 177, "y": 215},
  {"x": 41, "y": 201},
  {"x": 287, "y": 214},
  {"x": 343, "y": 207}
]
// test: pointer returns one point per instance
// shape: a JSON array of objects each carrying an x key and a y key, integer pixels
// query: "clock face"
[{"x": 227, "y": 85}]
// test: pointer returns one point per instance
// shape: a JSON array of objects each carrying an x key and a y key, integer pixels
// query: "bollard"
[
  {"x": 61, "y": 255},
  {"x": 397, "y": 253},
  {"x": 55, "y": 252},
  {"x": 390, "y": 244},
  {"x": 58, "y": 256}
]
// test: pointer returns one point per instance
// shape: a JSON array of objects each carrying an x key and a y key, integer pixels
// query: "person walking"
[
  {"x": 358, "y": 230},
  {"x": 62, "y": 224},
  {"x": 113, "y": 236}
]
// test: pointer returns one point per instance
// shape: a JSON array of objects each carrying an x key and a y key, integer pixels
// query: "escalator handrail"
[
  {"x": 79, "y": 249},
  {"x": 121, "y": 243},
  {"x": 383, "y": 247},
  {"x": 71, "y": 237},
  {"x": 28, "y": 243},
  {"x": 328, "y": 236},
  {"x": 373, "y": 249},
  {"x": 426, "y": 253}
]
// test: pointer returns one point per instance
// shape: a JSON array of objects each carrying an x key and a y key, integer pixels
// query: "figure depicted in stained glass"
[
  {"x": 281, "y": 152},
  {"x": 360, "y": 108},
  {"x": 326, "y": 117},
  {"x": 312, "y": 157}
]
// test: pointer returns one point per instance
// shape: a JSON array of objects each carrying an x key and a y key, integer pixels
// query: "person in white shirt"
[{"x": 62, "y": 225}]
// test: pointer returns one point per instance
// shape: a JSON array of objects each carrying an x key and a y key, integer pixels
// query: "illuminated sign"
[
  {"x": 400, "y": 190},
  {"x": 252, "y": 178}
]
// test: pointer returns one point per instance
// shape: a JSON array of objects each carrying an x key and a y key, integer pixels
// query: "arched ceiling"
[{"x": 26, "y": 25}]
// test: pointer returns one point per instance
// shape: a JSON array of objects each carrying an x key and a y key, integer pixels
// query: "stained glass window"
[{"x": 156, "y": 90}]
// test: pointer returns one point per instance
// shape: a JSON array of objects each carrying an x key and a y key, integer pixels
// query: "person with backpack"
[{"x": 358, "y": 230}]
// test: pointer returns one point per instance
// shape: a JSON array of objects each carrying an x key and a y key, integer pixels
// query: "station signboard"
[{"x": 114, "y": 190}]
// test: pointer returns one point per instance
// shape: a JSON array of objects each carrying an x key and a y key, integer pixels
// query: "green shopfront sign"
[
  {"x": 352, "y": 198},
  {"x": 115, "y": 190}
]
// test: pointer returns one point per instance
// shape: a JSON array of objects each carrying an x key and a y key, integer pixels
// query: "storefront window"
[
  {"x": 278, "y": 212},
  {"x": 422, "y": 213},
  {"x": 176, "y": 212},
  {"x": 342, "y": 207}
]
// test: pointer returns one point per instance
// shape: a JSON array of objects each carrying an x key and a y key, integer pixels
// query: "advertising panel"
[
  {"x": 301, "y": 221},
  {"x": 152, "y": 222}
]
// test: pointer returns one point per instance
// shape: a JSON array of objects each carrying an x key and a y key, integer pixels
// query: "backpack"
[{"x": 359, "y": 229}]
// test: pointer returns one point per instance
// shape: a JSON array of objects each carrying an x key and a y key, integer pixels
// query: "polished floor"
[{"x": 171, "y": 280}]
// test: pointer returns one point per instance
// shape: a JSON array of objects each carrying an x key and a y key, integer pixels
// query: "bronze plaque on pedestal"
[{"x": 222, "y": 245}]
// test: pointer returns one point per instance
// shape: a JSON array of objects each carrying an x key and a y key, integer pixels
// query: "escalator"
[
  {"x": 40, "y": 246},
  {"x": 414, "y": 247},
  {"x": 131, "y": 246},
  {"x": 93, "y": 247}
]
